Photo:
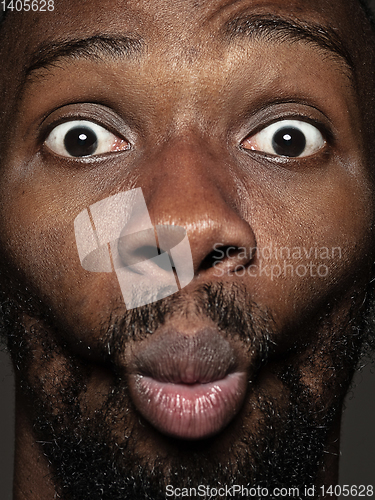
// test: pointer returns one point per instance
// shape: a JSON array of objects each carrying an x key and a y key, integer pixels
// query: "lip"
[
  {"x": 187, "y": 386},
  {"x": 189, "y": 411}
]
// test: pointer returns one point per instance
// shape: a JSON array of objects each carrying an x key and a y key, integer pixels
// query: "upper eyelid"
[
  {"x": 83, "y": 122},
  {"x": 119, "y": 129},
  {"x": 53, "y": 125},
  {"x": 56, "y": 143},
  {"x": 323, "y": 129},
  {"x": 274, "y": 110},
  {"x": 94, "y": 112},
  {"x": 279, "y": 122},
  {"x": 291, "y": 121}
]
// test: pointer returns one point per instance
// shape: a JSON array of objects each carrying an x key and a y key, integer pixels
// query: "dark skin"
[{"x": 186, "y": 107}]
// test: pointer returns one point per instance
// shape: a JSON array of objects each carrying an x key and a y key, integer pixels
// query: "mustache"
[{"x": 227, "y": 305}]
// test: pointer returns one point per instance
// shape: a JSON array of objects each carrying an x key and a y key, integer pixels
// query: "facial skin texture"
[{"x": 187, "y": 97}]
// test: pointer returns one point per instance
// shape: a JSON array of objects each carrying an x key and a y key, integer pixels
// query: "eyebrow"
[
  {"x": 272, "y": 28},
  {"x": 277, "y": 29},
  {"x": 96, "y": 47}
]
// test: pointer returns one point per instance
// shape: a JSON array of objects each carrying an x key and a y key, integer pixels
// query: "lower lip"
[{"x": 189, "y": 411}]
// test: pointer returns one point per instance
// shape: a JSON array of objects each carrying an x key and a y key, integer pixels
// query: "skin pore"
[{"x": 188, "y": 90}]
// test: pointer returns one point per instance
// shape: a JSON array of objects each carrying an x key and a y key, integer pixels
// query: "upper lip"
[{"x": 181, "y": 358}]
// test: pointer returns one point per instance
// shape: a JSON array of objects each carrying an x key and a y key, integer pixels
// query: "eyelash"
[{"x": 124, "y": 144}]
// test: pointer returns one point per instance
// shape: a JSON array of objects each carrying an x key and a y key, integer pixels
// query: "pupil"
[
  {"x": 289, "y": 141},
  {"x": 80, "y": 141}
]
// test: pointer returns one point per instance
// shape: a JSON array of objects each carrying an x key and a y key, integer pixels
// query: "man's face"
[{"x": 241, "y": 122}]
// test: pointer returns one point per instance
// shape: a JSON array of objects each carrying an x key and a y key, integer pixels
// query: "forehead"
[
  {"x": 184, "y": 22},
  {"x": 177, "y": 33},
  {"x": 171, "y": 36},
  {"x": 179, "y": 45}
]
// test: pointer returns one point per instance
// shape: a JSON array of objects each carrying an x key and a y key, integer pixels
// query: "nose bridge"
[
  {"x": 187, "y": 175},
  {"x": 192, "y": 184}
]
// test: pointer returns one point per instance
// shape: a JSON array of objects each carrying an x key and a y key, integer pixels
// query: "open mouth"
[{"x": 188, "y": 387}]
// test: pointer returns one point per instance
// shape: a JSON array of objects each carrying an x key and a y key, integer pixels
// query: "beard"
[
  {"x": 89, "y": 463},
  {"x": 96, "y": 453}
]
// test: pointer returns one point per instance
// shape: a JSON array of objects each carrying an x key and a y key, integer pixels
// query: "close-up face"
[{"x": 247, "y": 124}]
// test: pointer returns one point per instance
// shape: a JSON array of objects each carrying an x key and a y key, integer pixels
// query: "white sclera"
[
  {"x": 263, "y": 139},
  {"x": 105, "y": 138}
]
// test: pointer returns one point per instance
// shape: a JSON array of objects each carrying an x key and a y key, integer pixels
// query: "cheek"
[
  {"x": 312, "y": 232},
  {"x": 40, "y": 255},
  {"x": 314, "y": 240}
]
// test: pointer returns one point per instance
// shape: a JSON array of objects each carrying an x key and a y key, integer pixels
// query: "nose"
[{"x": 188, "y": 185}]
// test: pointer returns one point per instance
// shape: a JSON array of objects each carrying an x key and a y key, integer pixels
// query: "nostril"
[
  {"x": 228, "y": 256},
  {"x": 162, "y": 247},
  {"x": 145, "y": 252},
  {"x": 208, "y": 262},
  {"x": 137, "y": 247},
  {"x": 217, "y": 255},
  {"x": 131, "y": 256}
]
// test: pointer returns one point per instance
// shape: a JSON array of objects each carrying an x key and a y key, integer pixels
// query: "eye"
[
  {"x": 290, "y": 138},
  {"x": 80, "y": 138}
]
